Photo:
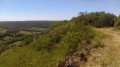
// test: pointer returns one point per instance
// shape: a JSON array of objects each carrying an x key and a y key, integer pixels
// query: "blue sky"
[{"x": 19, "y": 10}]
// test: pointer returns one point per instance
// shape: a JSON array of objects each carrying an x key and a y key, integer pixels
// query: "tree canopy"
[{"x": 97, "y": 19}]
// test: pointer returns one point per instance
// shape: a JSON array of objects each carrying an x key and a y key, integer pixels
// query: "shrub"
[
  {"x": 97, "y": 19},
  {"x": 117, "y": 23}
]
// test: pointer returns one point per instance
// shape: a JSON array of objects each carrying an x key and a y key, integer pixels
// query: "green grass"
[
  {"x": 26, "y": 32},
  {"x": 2, "y": 30},
  {"x": 18, "y": 43},
  {"x": 7, "y": 38}
]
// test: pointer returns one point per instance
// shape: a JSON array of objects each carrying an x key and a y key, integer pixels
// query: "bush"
[
  {"x": 96, "y": 42},
  {"x": 117, "y": 23}
]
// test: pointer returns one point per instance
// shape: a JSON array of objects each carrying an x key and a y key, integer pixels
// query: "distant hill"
[{"x": 26, "y": 24}]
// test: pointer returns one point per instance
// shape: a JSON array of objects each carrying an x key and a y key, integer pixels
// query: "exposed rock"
[{"x": 75, "y": 59}]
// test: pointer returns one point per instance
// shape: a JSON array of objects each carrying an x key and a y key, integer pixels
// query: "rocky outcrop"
[{"x": 77, "y": 59}]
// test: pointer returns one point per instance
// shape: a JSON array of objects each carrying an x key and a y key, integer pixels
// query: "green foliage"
[
  {"x": 12, "y": 38},
  {"x": 25, "y": 25},
  {"x": 2, "y": 30},
  {"x": 97, "y": 19},
  {"x": 49, "y": 49},
  {"x": 23, "y": 57},
  {"x": 117, "y": 23},
  {"x": 96, "y": 42}
]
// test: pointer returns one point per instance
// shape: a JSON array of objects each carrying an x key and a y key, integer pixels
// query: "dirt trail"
[{"x": 113, "y": 42}]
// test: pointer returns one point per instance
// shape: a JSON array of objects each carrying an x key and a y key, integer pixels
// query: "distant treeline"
[
  {"x": 96, "y": 19},
  {"x": 25, "y": 25}
]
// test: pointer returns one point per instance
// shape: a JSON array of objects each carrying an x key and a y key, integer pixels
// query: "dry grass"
[{"x": 109, "y": 56}]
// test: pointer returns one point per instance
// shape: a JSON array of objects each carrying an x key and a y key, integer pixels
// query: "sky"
[{"x": 21, "y": 10}]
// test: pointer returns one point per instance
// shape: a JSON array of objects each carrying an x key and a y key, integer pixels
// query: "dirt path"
[
  {"x": 114, "y": 46},
  {"x": 109, "y": 56}
]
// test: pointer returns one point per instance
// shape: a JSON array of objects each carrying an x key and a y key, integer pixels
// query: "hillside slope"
[{"x": 62, "y": 41}]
